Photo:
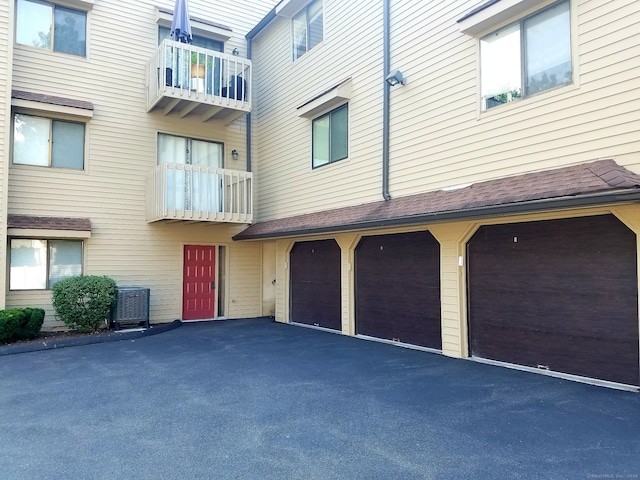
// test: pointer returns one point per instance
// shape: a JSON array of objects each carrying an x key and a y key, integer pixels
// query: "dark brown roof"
[
  {"x": 39, "y": 97},
  {"x": 579, "y": 185},
  {"x": 48, "y": 223}
]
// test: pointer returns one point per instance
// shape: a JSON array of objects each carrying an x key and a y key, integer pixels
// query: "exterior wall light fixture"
[
  {"x": 395, "y": 78},
  {"x": 235, "y": 52},
  {"x": 234, "y": 154}
]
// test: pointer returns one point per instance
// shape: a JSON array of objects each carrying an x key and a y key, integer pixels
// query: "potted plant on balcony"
[
  {"x": 197, "y": 65},
  {"x": 198, "y": 71}
]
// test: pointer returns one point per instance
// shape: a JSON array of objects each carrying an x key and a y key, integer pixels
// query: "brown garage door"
[
  {"x": 398, "y": 288},
  {"x": 315, "y": 284},
  {"x": 558, "y": 295}
]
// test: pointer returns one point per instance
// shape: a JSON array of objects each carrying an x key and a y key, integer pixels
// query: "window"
[
  {"x": 189, "y": 151},
  {"x": 330, "y": 132},
  {"x": 526, "y": 57},
  {"x": 191, "y": 188},
  {"x": 197, "y": 41},
  {"x": 47, "y": 142},
  {"x": 45, "y": 25},
  {"x": 38, "y": 264},
  {"x": 307, "y": 29}
]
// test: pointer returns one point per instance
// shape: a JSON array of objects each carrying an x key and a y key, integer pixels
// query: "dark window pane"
[
  {"x": 67, "y": 149},
  {"x": 69, "y": 34},
  {"x": 339, "y": 128},
  {"x": 299, "y": 35},
  {"x": 548, "y": 49},
  {"x": 65, "y": 260},
  {"x": 315, "y": 23}
]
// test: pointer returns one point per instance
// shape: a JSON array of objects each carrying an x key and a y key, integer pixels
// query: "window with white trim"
[
  {"x": 189, "y": 151},
  {"x": 48, "y": 142},
  {"x": 330, "y": 137},
  {"x": 37, "y": 264},
  {"x": 54, "y": 27},
  {"x": 527, "y": 57},
  {"x": 308, "y": 28},
  {"x": 193, "y": 181}
]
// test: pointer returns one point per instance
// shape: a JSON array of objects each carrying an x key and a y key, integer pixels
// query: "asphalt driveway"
[{"x": 249, "y": 399}]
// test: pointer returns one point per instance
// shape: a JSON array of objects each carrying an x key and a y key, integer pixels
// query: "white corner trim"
[
  {"x": 51, "y": 108},
  {"x": 333, "y": 97},
  {"x": 496, "y": 14}
]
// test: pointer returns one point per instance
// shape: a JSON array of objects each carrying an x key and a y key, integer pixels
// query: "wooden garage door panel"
[
  {"x": 563, "y": 353},
  {"x": 398, "y": 288},
  {"x": 560, "y": 293},
  {"x": 315, "y": 284}
]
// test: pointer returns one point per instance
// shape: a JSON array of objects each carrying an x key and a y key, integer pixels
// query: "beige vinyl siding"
[
  {"x": 6, "y": 66},
  {"x": 121, "y": 149},
  {"x": 439, "y": 137},
  {"x": 286, "y": 182}
]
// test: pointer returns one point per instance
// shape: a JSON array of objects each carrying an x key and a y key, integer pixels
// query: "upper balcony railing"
[
  {"x": 192, "y": 80},
  {"x": 201, "y": 194}
]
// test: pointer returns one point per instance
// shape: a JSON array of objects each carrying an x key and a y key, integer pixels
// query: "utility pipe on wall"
[{"x": 386, "y": 17}]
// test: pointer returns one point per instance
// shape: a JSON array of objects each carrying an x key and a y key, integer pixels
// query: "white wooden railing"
[
  {"x": 188, "y": 192},
  {"x": 180, "y": 70}
]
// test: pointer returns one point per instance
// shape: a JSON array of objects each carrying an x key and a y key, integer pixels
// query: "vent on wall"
[{"x": 132, "y": 306}]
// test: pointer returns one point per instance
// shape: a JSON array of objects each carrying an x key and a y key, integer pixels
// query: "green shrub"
[
  {"x": 84, "y": 302},
  {"x": 20, "y": 323},
  {"x": 34, "y": 317}
]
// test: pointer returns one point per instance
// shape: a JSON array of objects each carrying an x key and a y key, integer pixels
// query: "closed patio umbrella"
[
  {"x": 180, "y": 32},
  {"x": 181, "y": 25}
]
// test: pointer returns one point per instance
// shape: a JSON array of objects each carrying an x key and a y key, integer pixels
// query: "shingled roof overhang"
[
  {"x": 48, "y": 227},
  {"x": 599, "y": 183}
]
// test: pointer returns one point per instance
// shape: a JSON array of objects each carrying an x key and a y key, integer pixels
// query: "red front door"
[{"x": 198, "y": 291}]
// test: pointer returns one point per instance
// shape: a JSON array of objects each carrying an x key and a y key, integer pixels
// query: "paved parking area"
[{"x": 249, "y": 399}]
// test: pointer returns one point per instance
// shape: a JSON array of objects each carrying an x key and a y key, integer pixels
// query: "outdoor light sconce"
[
  {"x": 395, "y": 78},
  {"x": 235, "y": 52},
  {"x": 234, "y": 154}
]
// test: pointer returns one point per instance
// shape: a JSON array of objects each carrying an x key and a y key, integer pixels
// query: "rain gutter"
[
  {"x": 386, "y": 21},
  {"x": 249, "y": 36},
  {"x": 531, "y": 206}
]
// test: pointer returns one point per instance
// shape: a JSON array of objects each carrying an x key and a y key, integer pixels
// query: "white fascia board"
[
  {"x": 288, "y": 8},
  {"x": 51, "y": 108},
  {"x": 47, "y": 233},
  {"x": 494, "y": 15},
  {"x": 333, "y": 97}
]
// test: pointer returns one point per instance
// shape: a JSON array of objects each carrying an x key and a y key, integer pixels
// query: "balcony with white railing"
[
  {"x": 200, "y": 194},
  {"x": 186, "y": 80}
]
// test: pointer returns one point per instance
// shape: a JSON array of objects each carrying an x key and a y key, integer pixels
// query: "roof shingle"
[
  {"x": 586, "y": 179},
  {"x": 48, "y": 223}
]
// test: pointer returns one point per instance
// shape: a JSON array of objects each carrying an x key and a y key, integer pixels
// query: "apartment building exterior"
[
  {"x": 485, "y": 205},
  {"x": 146, "y": 161}
]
